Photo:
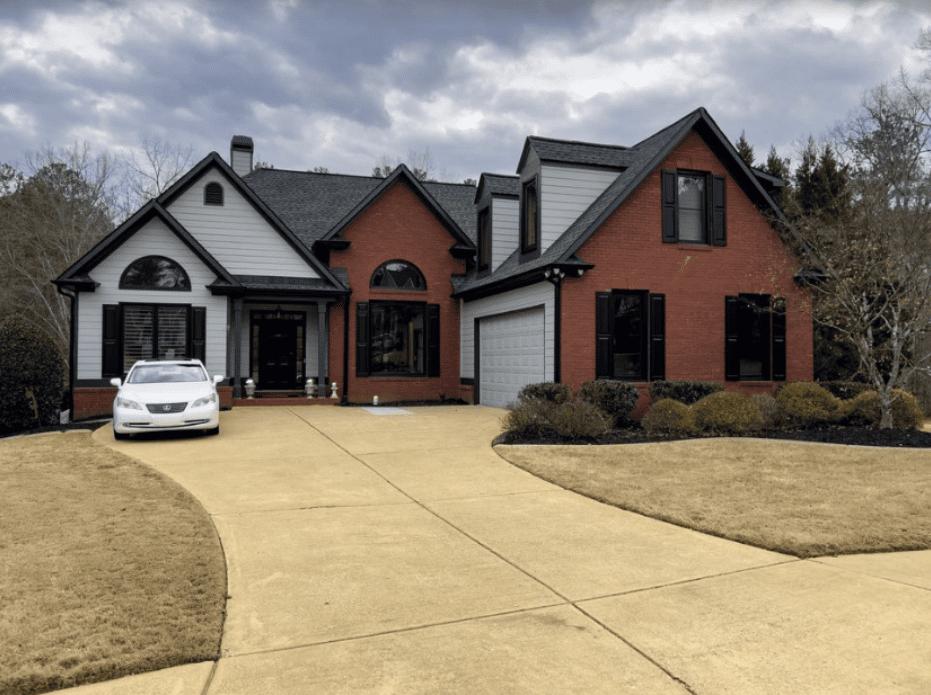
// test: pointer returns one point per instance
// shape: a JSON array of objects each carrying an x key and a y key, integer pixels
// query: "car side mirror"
[
  {"x": 115, "y": 381},
  {"x": 217, "y": 379}
]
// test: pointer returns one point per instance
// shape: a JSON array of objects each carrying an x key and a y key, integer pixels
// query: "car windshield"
[{"x": 166, "y": 374}]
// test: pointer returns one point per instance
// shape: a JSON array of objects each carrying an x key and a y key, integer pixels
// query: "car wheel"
[
  {"x": 215, "y": 430},
  {"x": 120, "y": 436}
]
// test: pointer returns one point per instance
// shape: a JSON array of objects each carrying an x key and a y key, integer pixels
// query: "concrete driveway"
[{"x": 392, "y": 551}]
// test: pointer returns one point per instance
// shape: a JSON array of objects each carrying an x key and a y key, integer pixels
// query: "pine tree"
[{"x": 745, "y": 149}]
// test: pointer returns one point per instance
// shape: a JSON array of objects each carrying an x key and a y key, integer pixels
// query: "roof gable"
[
  {"x": 404, "y": 175},
  {"x": 77, "y": 274},
  {"x": 214, "y": 161}
]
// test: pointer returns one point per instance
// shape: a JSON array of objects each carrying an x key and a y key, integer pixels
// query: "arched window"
[
  {"x": 398, "y": 275},
  {"x": 213, "y": 194},
  {"x": 155, "y": 273}
]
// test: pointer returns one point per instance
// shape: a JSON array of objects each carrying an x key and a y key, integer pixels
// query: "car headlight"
[
  {"x": 206, "y": 400},
  {"x": 126, "y": 403}
]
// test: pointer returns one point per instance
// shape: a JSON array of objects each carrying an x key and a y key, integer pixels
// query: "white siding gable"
[
  {"x": 565, "y": 193},
  {"x": 236, "y": 234},
  {"x": 505, "y": 216},
  {"x": 154, "y": 239}
]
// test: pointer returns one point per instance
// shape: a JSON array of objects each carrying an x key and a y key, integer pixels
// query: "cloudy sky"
[{"x": 341, "y": 84}]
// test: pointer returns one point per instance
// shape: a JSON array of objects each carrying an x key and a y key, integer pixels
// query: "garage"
[{"x": 510, "y": 353}]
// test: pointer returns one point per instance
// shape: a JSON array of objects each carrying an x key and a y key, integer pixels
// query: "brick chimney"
[{"x": 241, "y": 149}]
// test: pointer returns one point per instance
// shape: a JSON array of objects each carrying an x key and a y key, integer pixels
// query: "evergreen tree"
[{"x": 745, "y": 149}]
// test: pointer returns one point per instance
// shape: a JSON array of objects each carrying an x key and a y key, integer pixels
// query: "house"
[{"x": 593, "y": 261}]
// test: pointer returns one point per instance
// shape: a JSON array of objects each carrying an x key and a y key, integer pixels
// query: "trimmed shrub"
[
  {"x": 845, "y": 390},
  {"x": 866, "y": 411},
  {"x": 546, "y": 391},
  {"x": 534, "y": 418},
  {"x": 806, "y": 404},
  {"x": 766, "y": 406},
  {"x": 687, "y": 392},
  {"x": 615, "y": 399},
  {"x": 726, "y": 412},
  {"x": 667, "y": 416},
  {"x": 33, "y": 375}
]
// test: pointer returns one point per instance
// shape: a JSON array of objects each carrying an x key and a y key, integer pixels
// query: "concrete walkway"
[{"x": 393, "y": 551}]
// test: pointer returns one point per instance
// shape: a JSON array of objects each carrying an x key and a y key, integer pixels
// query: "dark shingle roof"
[
  {"x": 573, "y": 152},
  {"x": 312, "y": 204}
]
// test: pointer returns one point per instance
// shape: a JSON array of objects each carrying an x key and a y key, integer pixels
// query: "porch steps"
[{"x": 288, "y": 400}]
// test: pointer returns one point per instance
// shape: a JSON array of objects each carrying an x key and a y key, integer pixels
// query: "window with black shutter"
[
  {"x": 630, "y": 335},
  {"x": 693, "y": 208},
  {"x": 755, "y": 338},
  {"x": 134, "y": 332},
  {"x": 397, "y": 339}
]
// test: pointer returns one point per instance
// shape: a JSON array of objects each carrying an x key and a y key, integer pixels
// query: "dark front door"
[{"x": 279, "y": 351}]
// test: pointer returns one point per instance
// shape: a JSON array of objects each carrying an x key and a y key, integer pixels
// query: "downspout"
[{"x": 71, "y": 347}]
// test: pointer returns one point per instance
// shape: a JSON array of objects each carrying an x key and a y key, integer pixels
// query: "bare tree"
[
  {"x": 48, "y": 221},
  {"x": 420, "y": 162},
  {"x": 874, "y": 248},
  {"x": 151, "y": 171}
]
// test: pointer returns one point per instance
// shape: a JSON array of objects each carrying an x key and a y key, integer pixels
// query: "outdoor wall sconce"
[
  {"x": 310, "y": 388},
  {"x": 250, "y": 388}
]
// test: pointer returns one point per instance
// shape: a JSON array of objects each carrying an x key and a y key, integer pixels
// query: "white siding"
[
  {"x": 565, "y": 193},
  {"x": 524, "y": 298},
  {"x": 505, "y": 217},
  {"x": 235, "y": 234},
  {"x": 154, "y": 239}
]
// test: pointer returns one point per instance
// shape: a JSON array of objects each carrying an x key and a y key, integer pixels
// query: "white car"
[{"x": 166, "y": 394}]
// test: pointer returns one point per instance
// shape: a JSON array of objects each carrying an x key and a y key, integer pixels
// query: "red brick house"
[
  {"x": 594, "y": 261},
  {"x": 655, "y": 261}
]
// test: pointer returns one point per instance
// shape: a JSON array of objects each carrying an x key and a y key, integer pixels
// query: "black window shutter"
[
  {"x": 731, "y": 341},
  {"x": 670, "y": 196},
  {"x": 657, "y": 337},
  {"x": 603, "y": 334},
  {"x": 362, "y": 339},
  {"x": 718, "y": 216},
  {"x": 433, "y": 340},
  {"x": 779, "y": 344},
  {"x": 199, "y": 333},
  {"x": 112, "y": 364}
]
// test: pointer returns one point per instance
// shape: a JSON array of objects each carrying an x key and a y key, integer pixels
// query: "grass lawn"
[
  {"x": 793, "y": 497},
  {"x": 107, "y": 568}
]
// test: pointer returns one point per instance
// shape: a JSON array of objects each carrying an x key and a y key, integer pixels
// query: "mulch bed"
[{"x": 861, "y": 436}]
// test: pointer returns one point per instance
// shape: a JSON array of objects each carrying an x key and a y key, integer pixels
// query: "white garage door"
[{"x": 510, "y": 355}]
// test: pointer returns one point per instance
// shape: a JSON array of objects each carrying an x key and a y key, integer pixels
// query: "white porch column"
[{"x": 323, "y": 342}]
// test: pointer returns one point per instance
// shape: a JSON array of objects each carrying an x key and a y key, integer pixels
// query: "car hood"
[{"x": 166, "y": 393}]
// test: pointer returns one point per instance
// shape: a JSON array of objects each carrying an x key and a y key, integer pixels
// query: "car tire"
[
  {"x": 215, "y": 430},
  {"x": 120, "y": 436}
]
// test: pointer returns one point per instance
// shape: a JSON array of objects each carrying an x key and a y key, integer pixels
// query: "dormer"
[
  {"x": 497, "y": 204},
  {"x": 559, "y": 180}
]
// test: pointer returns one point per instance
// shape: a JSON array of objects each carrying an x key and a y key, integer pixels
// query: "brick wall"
[
  {"x": 629, "y": 254},
  {"x": 398, "y": 226}
]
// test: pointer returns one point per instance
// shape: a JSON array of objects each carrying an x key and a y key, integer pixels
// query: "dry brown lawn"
[
  {"x": 793, "y": 497},
  {"x": 107, "y": 568}
]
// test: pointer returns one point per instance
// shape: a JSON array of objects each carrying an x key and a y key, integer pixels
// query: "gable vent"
[{"x": 213, "y": 194}]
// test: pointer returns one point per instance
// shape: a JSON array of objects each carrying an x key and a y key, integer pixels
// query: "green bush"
[
  {"x": 845, "y": 390},
  {"x": 546, "y": 391},
  {"x": 767, "y": 407},
  {"x": 667, "y": 416},
  {"x": 33, "y": 376},
  {"x": 726, "y": 412},
  {"x": 535, "y": 418},
  {"x": 615, "y": 399},
  {"x": 866, "y": 411},
  {"x": 687, "y": 392},
  {"x": 806, "y": 404}
]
